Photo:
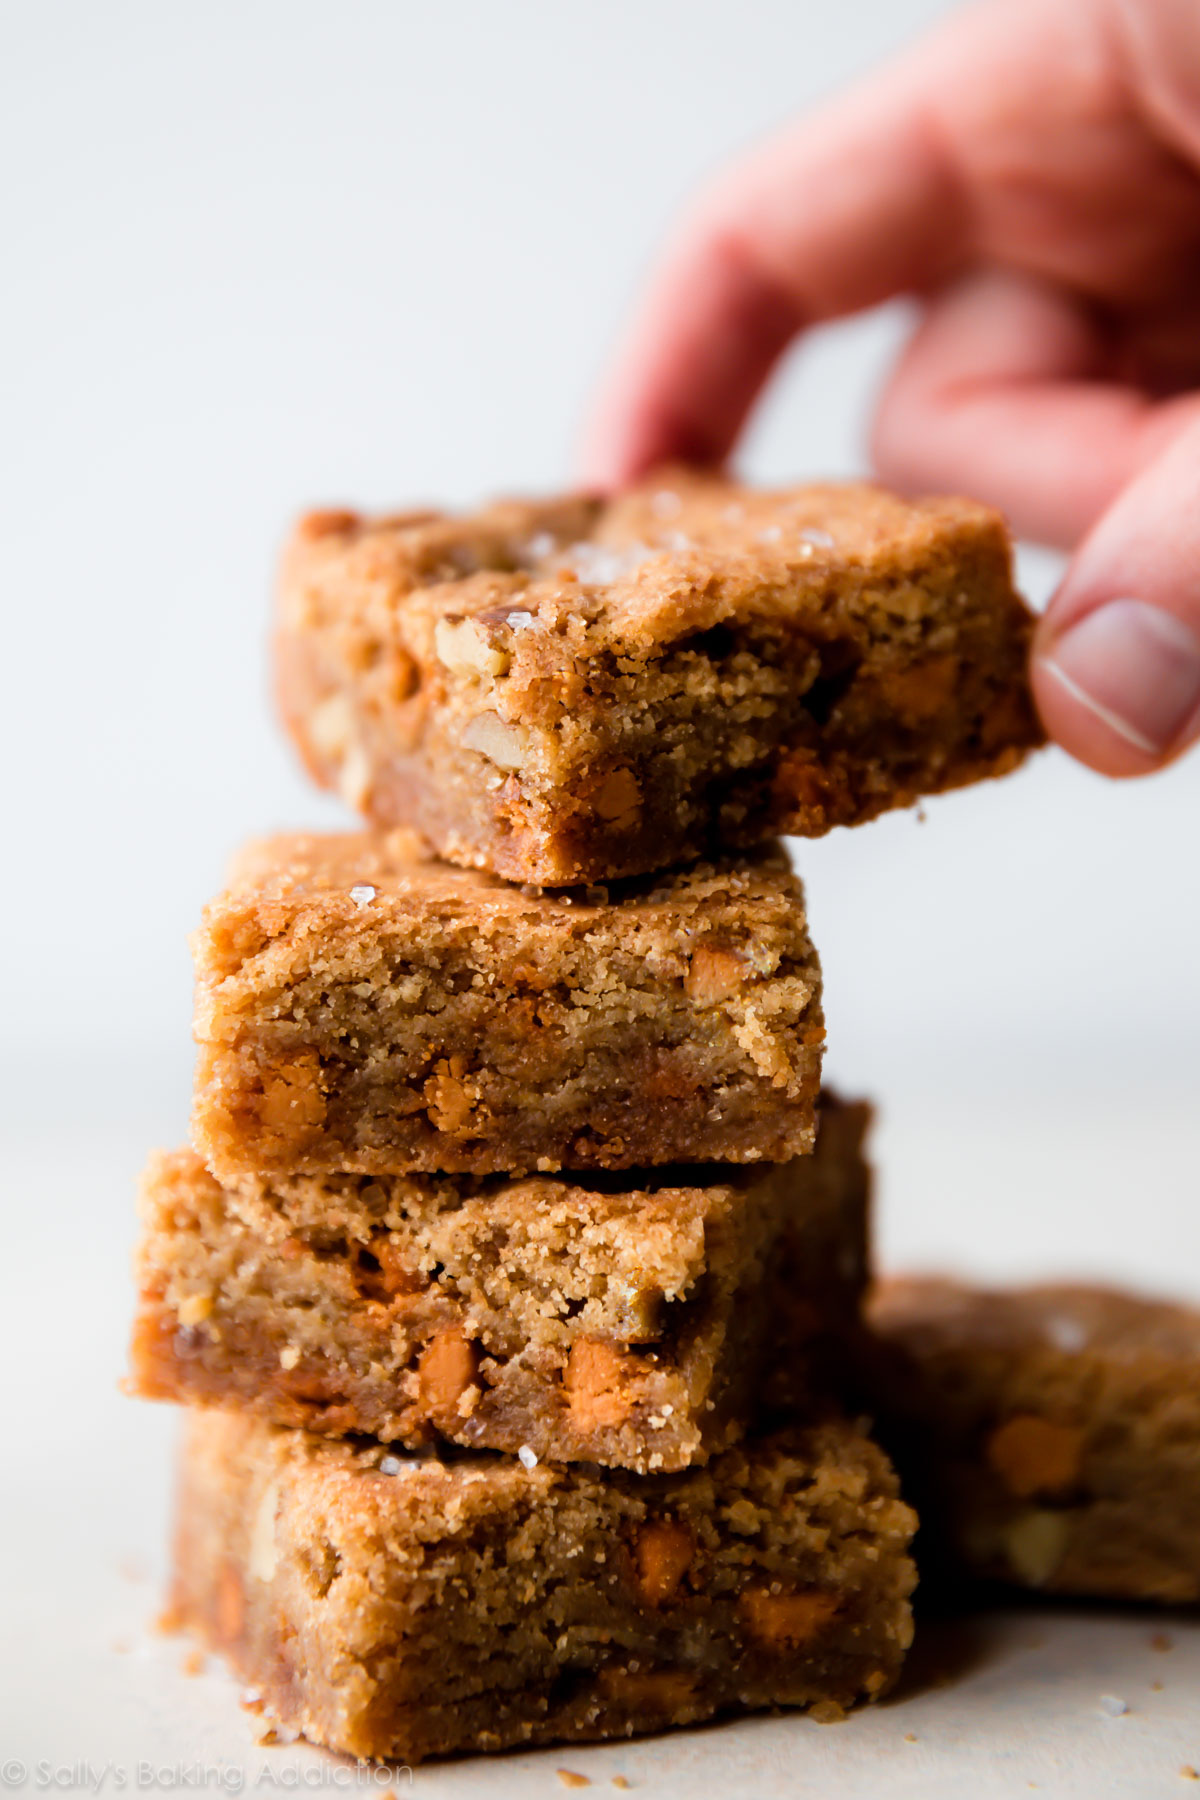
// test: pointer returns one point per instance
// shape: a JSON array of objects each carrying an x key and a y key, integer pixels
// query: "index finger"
[{"x": 858, "y": 203}]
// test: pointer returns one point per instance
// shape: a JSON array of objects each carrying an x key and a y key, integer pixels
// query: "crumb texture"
[
  {"x": 582, "y": 690},
  {"x": 403, "y": 1608},
  {"x": 362, "y": 1008},
  {"x": 628, "y": 1322}
]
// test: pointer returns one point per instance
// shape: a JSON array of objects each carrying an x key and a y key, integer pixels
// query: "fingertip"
[
  {"x": 1118, "y": 687},
  {"x": 1093, "y": 736}
]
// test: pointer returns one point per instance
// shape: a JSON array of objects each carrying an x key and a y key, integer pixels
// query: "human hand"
[{"x": 1032, "y": 172}]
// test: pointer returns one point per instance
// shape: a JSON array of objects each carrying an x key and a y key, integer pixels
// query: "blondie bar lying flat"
[
  {"x": 402, "y": 1609},
  {"x": 361, "y": 1009},
  {"x": 1053, "y": 1433},
  {"x": 581, "y": 690},
  {"x": 628, "y": 1325}
]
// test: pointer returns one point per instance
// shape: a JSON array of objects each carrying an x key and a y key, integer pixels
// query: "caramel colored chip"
[
  {"x": 446, "y": 1371},
  {"x": 924, "y": 690},
  {"x": 230, "y": 1606},
  {"x": 1035, "y": 1456},
  {"x": 786, "y": 1619},
  {"x": 663, "y": 1554},
  {"x": 595, "y": 1379},
  {"x": 651, "y": 1691}
]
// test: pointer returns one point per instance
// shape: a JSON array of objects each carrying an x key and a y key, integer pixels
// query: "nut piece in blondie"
[
  {"x": 402, "y": 1608},
  {"x": 587, "y": 689}
]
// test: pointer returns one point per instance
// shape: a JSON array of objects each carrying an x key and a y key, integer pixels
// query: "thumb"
[{"x": 1116, "y": 662}]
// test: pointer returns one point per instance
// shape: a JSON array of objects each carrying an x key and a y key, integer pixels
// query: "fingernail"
[{"x": 1134, "y": 666}]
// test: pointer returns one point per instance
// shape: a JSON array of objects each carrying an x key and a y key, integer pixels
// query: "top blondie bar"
[{"x": 581, "y": 689}]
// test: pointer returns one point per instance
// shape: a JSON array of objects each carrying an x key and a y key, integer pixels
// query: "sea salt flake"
[
  {"x": 541, "y": 545},
  {"x": 771, "y": 535},
  {"x": 1066, "y": 1334},
  {"x": 596, "y": 565},
  {"x": 1112, "y": 1706},
  {"x": 527, "y": 1457},
  {"x": 813, "y": 535},
  {"x": 520, "y": 621},
  {"x": 362, "y": 893}
]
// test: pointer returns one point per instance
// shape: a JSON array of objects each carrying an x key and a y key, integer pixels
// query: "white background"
[{"x": 260, "y": 254}]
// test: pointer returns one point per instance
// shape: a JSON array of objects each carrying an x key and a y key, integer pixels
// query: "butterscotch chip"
[
  {"x": 1035, "y": 1456},
  {"x": 598, "y": 1378},
  {"x": 407, "y": 1609},
  {"x": 631, "y": 1325},
  {"x": 1050, "y": 1435},
  {"x": 663, "y": 1551},
  {"x": 652, "y": 1695},
  {"x": 361, "y": 1008},
  {"x": 446, "y": 1371},
  {"x": 781, "y": 1618},
  {"x": 579, "y": 690}
]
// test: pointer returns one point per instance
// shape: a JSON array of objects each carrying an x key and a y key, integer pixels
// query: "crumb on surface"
[
  {"x": 193, "y": 1663},
  {"x": 1162, "y": 1640},
  {"x": 572, "y": 1779}
]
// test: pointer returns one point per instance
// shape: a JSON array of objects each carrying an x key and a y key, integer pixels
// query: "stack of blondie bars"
[{"x": 510, "y": 1279}]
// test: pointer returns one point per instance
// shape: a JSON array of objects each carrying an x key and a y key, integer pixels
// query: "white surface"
[{"x": 257, "y": 256}]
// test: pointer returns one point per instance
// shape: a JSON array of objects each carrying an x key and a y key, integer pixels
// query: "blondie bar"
[
  {"x": 629, "y": 1325},
  {"x": 1051, "y": 1434},
  {"x": 398, "y": 1608},
  {"x": 587, "y": 689},
  {"x": 361, "y": 1008}
]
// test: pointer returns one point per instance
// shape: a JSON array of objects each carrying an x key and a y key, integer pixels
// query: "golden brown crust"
[
  {"x": 1052, "y": 1432},
  {"x": 400, "y": 1609},
  {"x": 362, "y": 1008},
  {"x": 581, "y": 690}
]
